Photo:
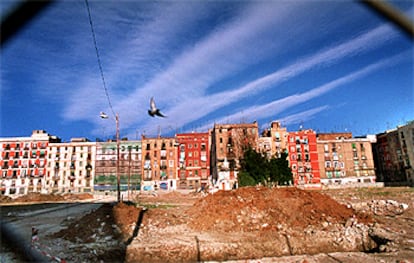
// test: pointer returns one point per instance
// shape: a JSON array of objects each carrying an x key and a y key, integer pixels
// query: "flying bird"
[
  {"x": 153, "y": 109},
  {"x": 103, "y": 115}
]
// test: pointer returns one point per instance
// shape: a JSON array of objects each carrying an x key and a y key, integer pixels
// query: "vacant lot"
[{"x": 273, "y": 225}]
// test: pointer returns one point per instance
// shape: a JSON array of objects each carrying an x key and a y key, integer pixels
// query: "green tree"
[{"x": 257, "y": 169}]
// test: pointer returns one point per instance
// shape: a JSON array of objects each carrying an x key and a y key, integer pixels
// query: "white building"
[{"x": 71, "y": 167}]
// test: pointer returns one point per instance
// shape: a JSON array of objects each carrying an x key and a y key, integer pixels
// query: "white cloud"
[
  {"x": 193, "y": 111},
  {"x": 274, "y": 108}
]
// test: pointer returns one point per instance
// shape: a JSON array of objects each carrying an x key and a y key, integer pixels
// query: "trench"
[{"x": 137, "y": 226}]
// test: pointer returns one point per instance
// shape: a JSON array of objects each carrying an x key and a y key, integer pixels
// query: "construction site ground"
[{"x": 253, "y": 224}]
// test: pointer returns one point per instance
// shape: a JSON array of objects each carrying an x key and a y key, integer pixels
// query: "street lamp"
[{"x": 103, "y": 115}]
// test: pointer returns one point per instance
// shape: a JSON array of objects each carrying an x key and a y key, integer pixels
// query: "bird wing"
[
  {"x": 158, "y": 113},
  {"x": 152, "y": 104}
]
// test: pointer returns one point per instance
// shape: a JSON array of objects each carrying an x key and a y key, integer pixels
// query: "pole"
[
  {"x": 129, "y": 169},
  {"x": 118, "y": 178}
]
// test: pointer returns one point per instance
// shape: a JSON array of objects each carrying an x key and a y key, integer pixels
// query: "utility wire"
[{"x": 99, "y": 58}]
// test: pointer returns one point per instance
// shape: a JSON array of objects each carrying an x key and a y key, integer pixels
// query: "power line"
[{"x": 99, "y": 58}]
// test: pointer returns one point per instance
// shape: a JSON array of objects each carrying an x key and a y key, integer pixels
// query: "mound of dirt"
[
  {"x": 79, "y": 196},
  {"x": 125, "y": 217},
  {"x": 259, "y": 208},
  {"x": 101, "y": 235},
  {"x": 5, "y": 199},
  {"x": 37, "y": 197}
]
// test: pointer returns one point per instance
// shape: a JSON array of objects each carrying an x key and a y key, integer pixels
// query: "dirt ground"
[
  {"x": 247, "y": 223},
  {"x": 259, "y": 223}
]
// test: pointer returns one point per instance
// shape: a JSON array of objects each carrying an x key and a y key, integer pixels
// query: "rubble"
[
  {"x": 381, "y": 207},
  {"x": 251, "y": 222},
  {"x": 244, "y": 224}
]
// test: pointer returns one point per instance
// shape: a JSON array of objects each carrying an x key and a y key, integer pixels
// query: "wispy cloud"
[
  {"x": 363, "y": 43},
  {"x": 276, "y": 107},
  {"x": 196, "y": 58}
]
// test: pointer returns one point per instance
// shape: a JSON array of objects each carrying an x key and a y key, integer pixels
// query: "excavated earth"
[
  {"x": 264, "y": 224},
  {"x": 251, "y": 223},
  {"x": 278, "y": 223}
]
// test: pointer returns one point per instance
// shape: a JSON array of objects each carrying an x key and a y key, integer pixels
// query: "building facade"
[
  {"x": 303, "y": 158},
  {"x": 159, "y": 163},
  {"x": 228, "y": 142},
  {"x": 274, "y": 141},
  {"x": 193, "y": 160},
  {"x": 345, "y": 160},
  {"x": 70, "y": 167},
  {"x": 394, "y": 155},
  {"x": 23, "y": 162},
  {"x": 129, "y": 165}
]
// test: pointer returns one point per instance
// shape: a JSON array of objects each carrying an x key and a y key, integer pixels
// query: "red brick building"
[
  {"x": 303, "y": 158},
  {"x": 193, "y": 159},
  {"x": 23, "y": 162}
]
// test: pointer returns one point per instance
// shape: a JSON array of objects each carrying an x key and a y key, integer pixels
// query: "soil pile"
[
  {"x": 79, "y": 196},
  {"x": 125, "y": 217},
  {"x": 100, "y": 235},
  {"x": 260, "y": 208},
  {"x": 38, "y": 197}
]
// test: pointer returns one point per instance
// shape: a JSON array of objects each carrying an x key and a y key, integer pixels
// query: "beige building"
[
  {"x": 71, "y": 166},
  {"x": 394, "y": 155},
  {"x": 274, "y": 141},
  {"x": 159, "y": 163},
  {"x": 228, "y": 142},
  {"x": 345, "y": 160}
]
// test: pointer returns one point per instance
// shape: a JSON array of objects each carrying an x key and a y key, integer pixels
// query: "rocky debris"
[
  {"x": 384, "y": 238},
  {"x": 98, "y": 236},
  {"x": 248, "y": 223},
  {"x": 38, "y": 197},
  {"x": 126, "y": 217},
  {"x": 381, "y": 207},
  {"x": 260, "y": 208}
]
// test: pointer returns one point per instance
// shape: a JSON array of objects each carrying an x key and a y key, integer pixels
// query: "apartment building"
[
  {"x": 303, "y": 158},
  {"x": 345, "y": 160},
  {"x": 228, "y": 142},
  {"x": 274, "y": 140},
  {"x": 159, "y": 163},
  {"x": 70, "y": 167},
  {"x": 194, "y": 160},
  {"x": 23, "y": 162},
  {"x": 129, "y": 165},
  {"x": 394, "y": 155}
]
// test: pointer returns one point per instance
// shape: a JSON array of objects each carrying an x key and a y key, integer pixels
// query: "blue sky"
[{"x": 324, "y": 65}]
